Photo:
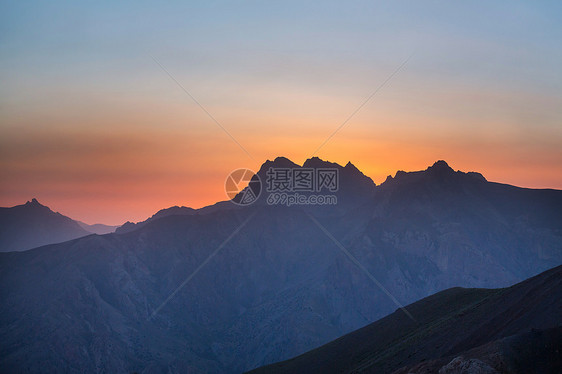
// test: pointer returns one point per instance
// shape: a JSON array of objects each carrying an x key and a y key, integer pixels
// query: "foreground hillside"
[
  {"x": 279, "y": 281},
  {"x": 510, "y": 330}
]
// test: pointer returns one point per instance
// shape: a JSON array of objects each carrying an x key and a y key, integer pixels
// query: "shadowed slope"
[{"x": 447, "y": 324}]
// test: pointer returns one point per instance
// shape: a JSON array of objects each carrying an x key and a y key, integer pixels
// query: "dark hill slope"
[{"x": 447, "y": 324}]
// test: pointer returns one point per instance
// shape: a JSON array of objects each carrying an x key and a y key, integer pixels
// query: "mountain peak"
[
  {"x": 439, "y": 171},
  {"x": 442, "y": 168},
  {"x": 34, "y": 202},
  {"x": 281, "y": 159},
  {"x": 350, "y": 166},
  {"x": 440, "y": 165},
  {"x": 317, "y": 162},
  {"x": 33, "y": 224},
  {"x": 278, "y": 162}
]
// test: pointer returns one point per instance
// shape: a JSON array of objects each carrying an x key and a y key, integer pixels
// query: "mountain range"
[
  {"x": 32, "y": 225},
  {"x": 230, "y": 288}
]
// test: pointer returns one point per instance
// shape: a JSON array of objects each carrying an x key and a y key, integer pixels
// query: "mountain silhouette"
[
  {"x": 229, "y": 288},
  {"x": 32, "y": 225},
  {"x": 98, "y": 228},
  {"x": 172, "y": 211}
]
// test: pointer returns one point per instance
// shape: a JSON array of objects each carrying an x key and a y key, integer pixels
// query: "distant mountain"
[
  {"x": 230, "y": 288},
  {"x": 510, "y": 330},
  {"x": 32, "y": 225},
  {"x": 172, "y": 211},
  {"x": 98, "y": 228}
]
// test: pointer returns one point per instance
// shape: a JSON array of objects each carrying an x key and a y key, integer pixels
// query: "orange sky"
[{"x": 112, "y": 176}]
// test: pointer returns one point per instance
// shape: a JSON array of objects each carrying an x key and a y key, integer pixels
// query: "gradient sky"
[{"x": 94, "y": 128}]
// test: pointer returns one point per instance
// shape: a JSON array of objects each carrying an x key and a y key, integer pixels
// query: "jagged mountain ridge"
[{"x": 277, "y": 288}]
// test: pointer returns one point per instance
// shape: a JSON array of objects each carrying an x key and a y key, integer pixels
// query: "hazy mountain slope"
[
  {"x": 448, "y": 324},
  {"x": 31, "y": 225},
  {"x": 280, "y": 286},
  {"x": 172, "y": 211},
  {"x": 97, "y": 228},
  {"x": 112, "y": 283}
]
